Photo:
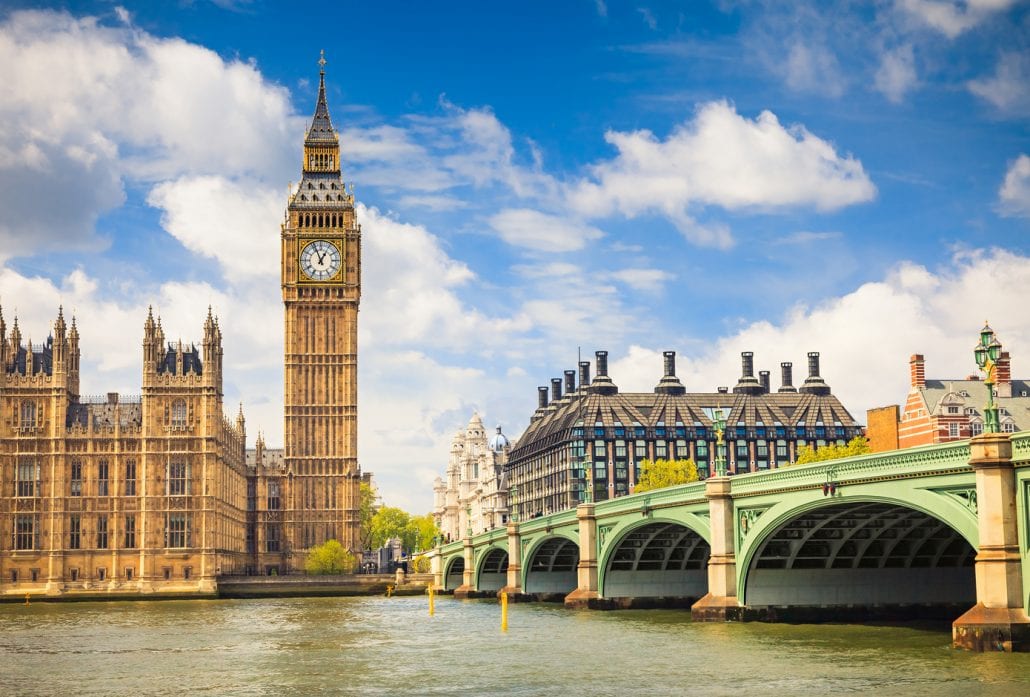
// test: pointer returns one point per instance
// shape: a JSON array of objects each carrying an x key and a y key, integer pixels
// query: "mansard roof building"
[{"x": 594, "y": 425}]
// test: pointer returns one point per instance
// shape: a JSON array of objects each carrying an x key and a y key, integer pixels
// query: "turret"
[{"x": 60, "y": 346}]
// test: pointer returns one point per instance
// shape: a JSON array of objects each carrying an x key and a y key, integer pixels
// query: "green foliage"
[
  {"x": 856, "y": 446},
  {"x": 387, "y": 523},
  {"x": 422, "y": 531},
  {"x": 662, "y": 473},
  {"x": 329, "y": 558},
  {"x": 366, "y": 510},
  {"x": 420, "y": 564}
]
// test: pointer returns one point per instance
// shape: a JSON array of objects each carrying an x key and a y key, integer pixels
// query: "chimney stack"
[
  {"x": 747, "y": 383},
  {"x": 787, "y": 377},
  {"x": 763, "y": 380},
  {"x": 584, "y": 374},
  {"x": 814, "y": 384},
  {"x": 813, "y": 364},
  {"x": 602, "y": 384},
  {"x": 555, "y": 389},
  {"x": 541, "y": 397},
  {"x": 1003, "y": 375},
  {"x": 747, "y": 364},
  {"x": 570, "y": 382},
  {"x": 670, "y": 384},
  {"x": 602, "y": 363},
  {"x": 917, "y": 370}
]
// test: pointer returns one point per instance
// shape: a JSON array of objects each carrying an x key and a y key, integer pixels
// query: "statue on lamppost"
[
  {"x": 719, "y": 424},
  {"x": 987, "y": 352}
]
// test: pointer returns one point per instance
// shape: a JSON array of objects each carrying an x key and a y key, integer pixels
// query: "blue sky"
[{"x": 536, "y": 179}]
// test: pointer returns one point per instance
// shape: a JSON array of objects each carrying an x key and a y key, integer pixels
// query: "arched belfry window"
[{"x": 28, "y": 414}]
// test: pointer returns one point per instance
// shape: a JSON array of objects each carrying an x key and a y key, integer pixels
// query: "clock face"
[{"x": 320, "y": 260}]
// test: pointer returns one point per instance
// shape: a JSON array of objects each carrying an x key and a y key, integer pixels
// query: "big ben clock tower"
[{"x": 321, "y": 281}]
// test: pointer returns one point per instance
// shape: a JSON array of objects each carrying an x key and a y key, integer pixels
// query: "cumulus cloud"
[
  {"x": 896, "y": 75},
  {"x": 538, "y": 231},
  {"x": 868, "y": 333},
  {"x": 722, "y": 159},
  {"x": 1014, "y": 195},
  {"x": 1009, "y": 88},
  {"x": 952, "y": 17}
]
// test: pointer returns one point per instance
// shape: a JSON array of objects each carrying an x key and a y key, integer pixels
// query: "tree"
[
  {"x": 387, "y": 523},
  {"x": 329, "y": 558},
  {"x": 856, "y": 446},
  {"x": 366, "y": 510},
  {"x": 662, "y": 473},
  {"x": 421, "y": 532}
]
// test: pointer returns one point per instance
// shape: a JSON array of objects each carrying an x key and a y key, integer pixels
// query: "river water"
[{"x": 391, "y": 646}]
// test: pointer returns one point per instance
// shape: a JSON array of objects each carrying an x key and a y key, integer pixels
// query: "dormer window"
[{"x": 310, "y": 185}]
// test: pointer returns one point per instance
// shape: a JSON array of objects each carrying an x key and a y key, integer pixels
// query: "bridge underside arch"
[
  {"x": 552, "y": 568},
  {"x": 455, "y": 571},
  {"x": 658, "y": 560},
  {"x": 862, "y": 554},
  {"x": 493, "y": 572}
]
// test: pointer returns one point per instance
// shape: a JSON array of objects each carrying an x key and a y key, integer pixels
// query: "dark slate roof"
[
  {"x": 972, "y": 394},
  {"x": 321, "y": 190},
  {"x": 190, "y": 361},
  {"x": 321, "y": 125},
  {"x": 106, "y": 414},
  {"x": 39, "y": 360}
]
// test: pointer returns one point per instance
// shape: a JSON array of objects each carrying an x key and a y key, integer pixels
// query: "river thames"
[{"x": 389, "y": 646}]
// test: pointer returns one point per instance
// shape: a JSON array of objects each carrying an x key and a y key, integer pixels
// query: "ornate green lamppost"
[
  {"x": 513, "y": 494},
  {"x": 987, "y": 352},
  {"x": 719, "y": 424}
]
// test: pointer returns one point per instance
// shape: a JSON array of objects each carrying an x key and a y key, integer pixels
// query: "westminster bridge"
[{"x": 908, "y": 533}]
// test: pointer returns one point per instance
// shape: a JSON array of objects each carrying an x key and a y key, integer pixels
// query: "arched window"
[{"x": 179, "y": 413}]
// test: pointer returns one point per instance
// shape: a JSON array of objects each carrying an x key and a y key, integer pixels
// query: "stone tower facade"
[{"x": 321, "y": 284}]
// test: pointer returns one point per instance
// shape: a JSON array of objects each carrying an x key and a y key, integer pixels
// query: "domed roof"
[{"x": 499, "y": 441}]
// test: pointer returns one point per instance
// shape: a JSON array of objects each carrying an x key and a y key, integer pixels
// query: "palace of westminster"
[{"x": 158, "y": 493}]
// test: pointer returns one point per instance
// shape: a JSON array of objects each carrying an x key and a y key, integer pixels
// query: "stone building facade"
[
  {"x": 475, "y": 493},
  {"x": 940, "y": 410},
  {"x": 118, "y": 494},
  {"x": 592, "y": 435}
]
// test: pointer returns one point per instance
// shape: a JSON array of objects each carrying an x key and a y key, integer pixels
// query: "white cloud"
[
  {"x": 531, "y": 229},
  {"x": 1014, "y": 195},
  {"x": 866, "y": 336},
  {"x": 952, "y": 17},
  {"x": 647, "y": 280},
  {"x": 233, "y": 222},
  {"x": 897, "y": 73},
  {"x": 721, "y": 159},
  {"x": 813, "y": 68},
  {"x": 1009, "y": 88}
]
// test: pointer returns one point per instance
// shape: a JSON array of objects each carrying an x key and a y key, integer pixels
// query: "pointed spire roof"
[{"x": 321, "y": 124}]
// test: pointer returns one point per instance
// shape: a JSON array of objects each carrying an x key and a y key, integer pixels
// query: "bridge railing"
[
  {"x": 928, "y": 458},
  {"x": 1021, "y": 448}
]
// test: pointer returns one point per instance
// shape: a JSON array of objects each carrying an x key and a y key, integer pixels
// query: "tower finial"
[{"x": 321, "y": 62}]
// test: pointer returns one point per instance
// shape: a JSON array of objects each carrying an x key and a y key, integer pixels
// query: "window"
[
  {"x": 952, "y": 410},
  {"x": 103, "y": 472},
  {"x": 701, "y": 448},
  {"x": 620, "y": 449},
  {"x": 659, "y": 429},
  {"x": 76, "y": 478},
  {"x": 75, "y": 575},
  {"x": 600, "y": 470},
  {"x": 661, "y": 449},
  {"x": 128, "y": 573},
  {"x": 102, "y": 532},
  {"x": 274, "y": 502},
  {"x": 1008, "y": 427},
  {"x": 638, "y": 430},
  {"x": 187, "y": 571},
  {"x": 976, "y": 428},
  {"x": 130, "y": 532},
  {"x": 742, "y": 451},
  {"x": 271, "y": 537},
  {"x": 640, "y": 450},
  {"x": 781, "y": 450},
  {"x": 177, "y": 478},
  {"x": 682, "y": 452},
  {"x": 177, "y": 530},
  {"x": 179, "y": 413},
  {"x": 28, "y": 414},
  {"x": 25, "y": 532},
  {"x": 101, "y": 574},
  {"x": 28, "y": 476},
  {"x": 130, "y": 477},
  {"x": 74, "y": 532},
  {"x": 953, "y": 430},
  {"x": 599, "y": 450}
]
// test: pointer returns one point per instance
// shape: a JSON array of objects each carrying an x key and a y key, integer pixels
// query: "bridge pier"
[
  {"x": 436, "y": 568},
  {"x": 467, "y": 588},
  {"x": 586, "y": 571},
  {"x": 513, "y": 585},
  {"x": 998, "y": 621},
  {"x": 720, "y": 604}
]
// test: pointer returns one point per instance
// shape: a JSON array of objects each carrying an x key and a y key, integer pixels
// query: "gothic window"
[
  {"x": 76, "y": 489},
  {"x": 130, "y": 477},
  {"x": 102, "y": 532},
  {"x": 179, "y": 413},
  {"x": 274, "y": 502},
  {"x": 177, "y": 478},
  {"x": 28, "y": 414},
  {"x": 271, "y": 537},
  {"x": 74, "y": 532},
  {"x": 332, "y": 161},
  {"x": 130, "y": 532},
  {"x": 102, "y": 478},
  {"x": 25, "y": 532},
  {"x": 321, "y": 185},
  {"x": 177, "y": 530},
  {"x": 28, "y": 477},
  {"x": 310, "y": 185}
]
